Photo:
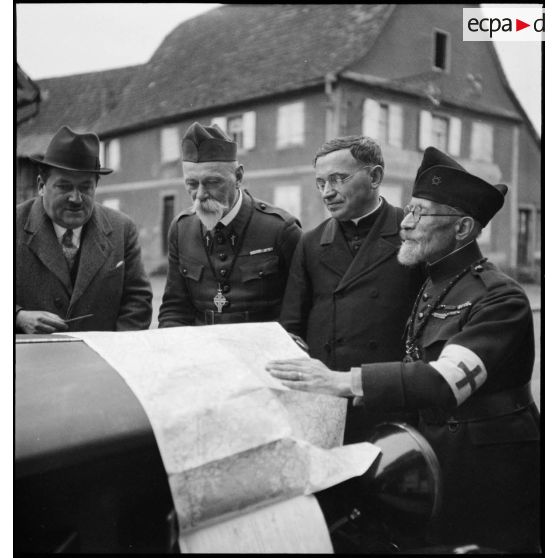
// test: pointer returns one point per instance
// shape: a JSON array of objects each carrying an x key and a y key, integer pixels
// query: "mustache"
[{"x": 209, "y": 205}]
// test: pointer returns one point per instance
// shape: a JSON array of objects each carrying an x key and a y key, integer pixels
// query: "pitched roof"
[
  {"x": 78, "y": 101},
  {"x": 239, "y": 52}
]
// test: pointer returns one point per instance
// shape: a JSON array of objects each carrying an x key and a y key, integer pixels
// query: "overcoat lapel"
[
  {"x": 43, "y": 243},
  {"x": 375, "y": 249},
  {"x": 95, "y": 248},
  {"x": 334, "y": 252}
]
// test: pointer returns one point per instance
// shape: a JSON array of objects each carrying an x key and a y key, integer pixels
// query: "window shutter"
[
  {"x": 395, "y": 122},
  {"x": 221, "y": 121},
  {"x": 370, "y": 117},
  {"x": 425, "y": 129},
  {"x": 454, "y": 146},
  {"x": 249, "y": 129}
]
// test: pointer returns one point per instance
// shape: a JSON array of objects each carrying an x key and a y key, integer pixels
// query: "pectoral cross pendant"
[{"x": 219, "y": 300}]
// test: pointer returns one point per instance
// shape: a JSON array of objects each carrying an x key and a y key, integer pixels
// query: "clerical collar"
[
  {"x": 455, "y": 261},
  {"x": 228, "y": 218},
  {"x": 61, "y": 230},
  {"x": 355, "y": 221}
]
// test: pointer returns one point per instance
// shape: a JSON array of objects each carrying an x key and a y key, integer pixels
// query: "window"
[
  {"x": 482, "y": 143},
  {"x": 290, "y": 124},
  {"x": 288, "y": 198},
  {"x": 524, "y": 236},
  {"x": 113, "y": 203},
  {"x": 112, "y": 154},
  {"x": 441, "y": 50},
  {"x": 440, "y": 131},
  {"x": 167, "y": 217},
  {"x": 383, "y": 122},
  {"x": 240, "y": 127},
  {"x": 170, "y": 145}
]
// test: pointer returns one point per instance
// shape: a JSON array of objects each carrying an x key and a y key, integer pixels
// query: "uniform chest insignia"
[
  {"x": 261, "y": 251},
  {"x": 444, "y": 315}
]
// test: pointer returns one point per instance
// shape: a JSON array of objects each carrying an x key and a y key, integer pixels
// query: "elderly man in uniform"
[
  {"x": 78, "y": 264},
  {"x": 229, "y": 255},
  {"x": 470, "y": 353},
  {"x": 348, "y": 297}
]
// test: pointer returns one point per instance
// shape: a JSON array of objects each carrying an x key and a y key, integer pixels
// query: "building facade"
[{"x": 281, "y": 80}]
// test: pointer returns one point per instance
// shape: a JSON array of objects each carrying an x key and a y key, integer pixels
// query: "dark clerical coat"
[
  {"x": 238, "y": 274},
  {"x": 351, "y": 307},
  {"x": 110, "y": 281},
  {"x": 471, "y": 335}
]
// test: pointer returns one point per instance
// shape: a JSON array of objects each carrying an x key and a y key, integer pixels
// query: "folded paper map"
[{"x": 231, "y": 437}]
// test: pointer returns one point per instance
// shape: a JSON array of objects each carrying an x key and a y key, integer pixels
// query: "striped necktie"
[{"x": 69, "y": 248}]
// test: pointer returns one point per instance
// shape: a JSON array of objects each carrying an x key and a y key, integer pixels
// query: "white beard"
[
  {"x": 411, "y": 253},
  {"x": 210, "y": 212}
]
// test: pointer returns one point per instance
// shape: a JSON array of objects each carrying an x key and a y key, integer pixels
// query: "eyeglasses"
[
  {"x": 336, "y": 180},
  {"x": 417, "y": 213}
]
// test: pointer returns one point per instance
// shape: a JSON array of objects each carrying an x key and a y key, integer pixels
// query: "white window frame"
[
  {"x": 289, "y": 198},
  {"x": 170, "y": 144},
  {"x": 248, "y": 128},
  {"x": 482, "y": 142},
  {"x": 290, "y": 124},
  {"x": 371, "y": 118},
  {"x": 112, "y": 154}
]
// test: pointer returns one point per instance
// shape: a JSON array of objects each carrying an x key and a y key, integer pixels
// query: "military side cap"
[
  {"x": 207, "y": 143},
  {"x": 73, "y": 151},
  {"x": 442, "y": 180}
]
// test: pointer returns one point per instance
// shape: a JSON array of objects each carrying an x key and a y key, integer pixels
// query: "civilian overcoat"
[
  {"x": 351, "y": 309},
  {"x": 111, "y": 282}
]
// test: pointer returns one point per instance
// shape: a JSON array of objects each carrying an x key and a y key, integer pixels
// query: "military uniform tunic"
[
  {"x": 476, "y": 354},
  {"x": 247, "y": 262}
]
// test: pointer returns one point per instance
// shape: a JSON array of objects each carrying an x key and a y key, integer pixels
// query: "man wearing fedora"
[
  {"x": 467, "y": 370},
  {"x": 78, "y": 264},
  {"x": 229, "y": 255}
]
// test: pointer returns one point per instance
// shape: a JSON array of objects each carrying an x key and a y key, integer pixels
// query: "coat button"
[
  {"x": 420, "y": 315},
  {"x": 373, "y": 293},
  {"x": 373, "y": 344},
  {"x": 263, "y": 205},
  {"x": 260, "y": 274},
  {"x": 222, "y": 256},
  {"x": 425, "y": 296},
  {"x": 226, "y": 288},
  {"x": 184, "y": 270}
]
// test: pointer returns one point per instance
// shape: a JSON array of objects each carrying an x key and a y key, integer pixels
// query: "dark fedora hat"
[{"x": 72, "y": 151}]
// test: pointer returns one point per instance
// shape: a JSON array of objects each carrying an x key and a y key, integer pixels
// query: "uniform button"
[
  {"x": 260, "y": 274},
  {"x": 420, "y": 315},
  {"x": 222, "y": 256},
  {"x": 373, "y": 293},
  {"x": 223, "y": 272},
  {"x": 425, "y": 296},
  {"x": 184, "y": 270},
  {"x": 372, "y": 343},
  {"x": 263, "y": 205},
  {"x": 226, "y": 288}
]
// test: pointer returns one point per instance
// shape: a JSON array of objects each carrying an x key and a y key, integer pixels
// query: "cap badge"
[{"x": 436, "y": 180}]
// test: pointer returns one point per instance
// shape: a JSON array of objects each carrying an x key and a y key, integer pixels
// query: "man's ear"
[
  {"x": 376, "y": 176},
  {"x": 40, "y": 184},
  {"x": 239, "y": 173},
  {"x": 464, "y": 227}
]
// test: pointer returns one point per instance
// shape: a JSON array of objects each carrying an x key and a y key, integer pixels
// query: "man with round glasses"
[
  {"x": 347, "y": 296},
  {"x": 467, "y": 369}
]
